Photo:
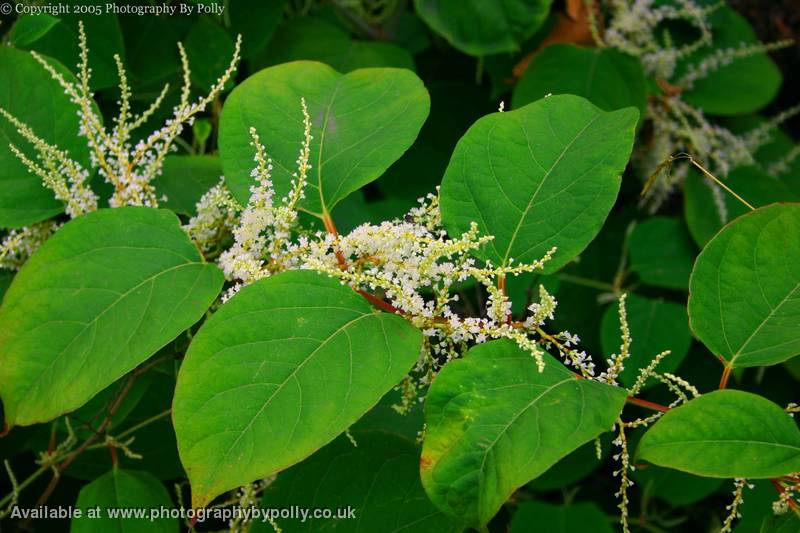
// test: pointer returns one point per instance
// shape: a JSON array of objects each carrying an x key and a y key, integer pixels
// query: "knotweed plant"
[
  {"x": 280, "y": 341},
  {"x": 128, "y": 162}
]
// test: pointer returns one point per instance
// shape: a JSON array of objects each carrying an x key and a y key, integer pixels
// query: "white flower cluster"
[
  {"x": 680, "y": 127},
  {"x": 634, "y": 24},
  {"x": 789, "y": 494},
  {"x": 722, "y": 57},
  {"x": 18, "y": 245},
  {"x": 217, "y": 215},
  {"x": 129, "y": 166},
  {"x": 637, "y": 27},
  {"x": 263, "y": 237},
  {"x": 409, "y": 266},
  {"x": 68, "y": 180},
  {"x": 739, "y": 485}
]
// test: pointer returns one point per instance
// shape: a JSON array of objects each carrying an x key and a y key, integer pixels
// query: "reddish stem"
[
  {"x": 726, "y": 374},
  {"x": 647, "y": 405},
  {"x": 781, "y": 490},
  {"x": 377, "y": 302}
]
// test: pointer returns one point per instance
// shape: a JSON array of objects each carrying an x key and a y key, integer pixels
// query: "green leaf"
[
  {"x": 479, "y": 28},
  {"x": 751, "y": 183},
  {"x": 662, "y": 252},
  {"x": 746, "y": 84},
  {"x": 725, "y": 434},
  {"x": 123, "y": 489},
  {"x": 378, "y": 479},
  {"x": 655, "y": 325},
  {"x": 316, "y": 39},
  {"x": 98, "y": 298},
  {"x": 362, "y": 122},
  {"x": 575, "y": 518},
  {"x": 744, "y": 302},
  {"x": 30, "y": 28},
  {"x": 28, "y": 92},
  {"x": 209, "y": 49},
  {"x": 544, "y": 175},
  {"x": 604, "y": 76},
  {"x": 494, "y": 422},
  {"x": 278, "y": 372},
  {"x": 185, "y": 178}
]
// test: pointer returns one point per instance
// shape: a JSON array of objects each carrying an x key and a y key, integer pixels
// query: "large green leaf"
[
  {"x": 482, "y": 28},
  {"x": 726, "y": 434},
  {"x": 378, "y": 479},
  {"x": 655, "y": 325},
  {"x": 544, "y": 175},
  {"x": 744, "y": 299},
  {"x": 362, "y": 122},
  {"x": 99, "y": 297},
  {"x": 28, "y": 92},
  {"x": 124, "y": 489},
  {"x": 494, "y": 422},
  {"x": 278, "y": 372},
  {"x": 604, "y": 76}
]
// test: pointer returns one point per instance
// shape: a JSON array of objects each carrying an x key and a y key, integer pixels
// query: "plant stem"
[
  {"x": 719, "y": 182},
  {"x": 647, "y": 404},
  {"x": 726, "y": 374}
]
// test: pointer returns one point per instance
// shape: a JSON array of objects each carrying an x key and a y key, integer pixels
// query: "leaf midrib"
[
  {"x": 34, "y": 383},
  {"x": 279, "y": 389},
  {"x": 528, "y": 207}
]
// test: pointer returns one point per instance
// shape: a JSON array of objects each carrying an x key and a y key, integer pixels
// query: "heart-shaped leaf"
[
  {"x": 29, "y": 93},
  {"x": 727, "y": 434},
  {"x": 124, "y": 489},
  {"x": 102, "y": 295},
  {"x": 494, "y": 422},
  {"x": 744, "y": 293},
  {"x": 378, "y": 479},
  {"x": 278, "y": 372},
  {"x": 543, "y": 175},
  {"x": 362, "y": 122}
]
